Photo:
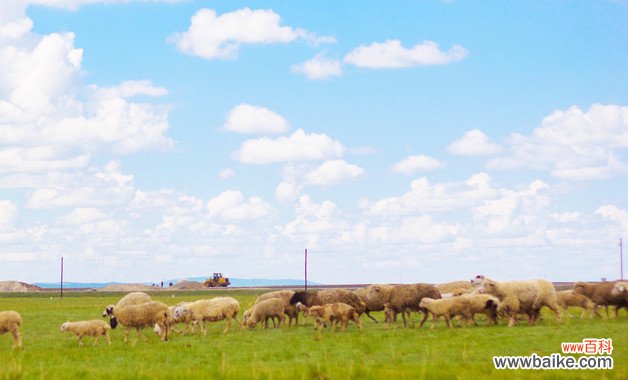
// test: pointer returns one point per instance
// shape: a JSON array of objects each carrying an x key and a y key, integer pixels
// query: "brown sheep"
[
  {"x": 374, "y": 297},
  {"x": 10, "y": 321},
  {"x": 568, "y": 298},
  {"x": 322, "y": 297},
  {"x": 337, "y": 313},
  {"x": 267, "y": 309},
  {"x": 600, "y": 293},
  {"x": 408, "y": 297}
]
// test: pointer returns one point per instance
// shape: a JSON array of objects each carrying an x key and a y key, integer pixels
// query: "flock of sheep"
[{"x": 337, "y": 307}]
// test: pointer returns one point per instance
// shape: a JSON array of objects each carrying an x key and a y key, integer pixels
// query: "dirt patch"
[
  {"x": 18, "y": 286},
  {"x": 130, "y": 288},
  {"x": 187, "y": 285}
]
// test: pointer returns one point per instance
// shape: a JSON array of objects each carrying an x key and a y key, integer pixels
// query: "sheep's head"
[
  {"x": 487, "y": 286},
  {"x": 477, "y": 280},
  {"x": 619, "y": 288},
  {"x": 108, "y": 311},
  {"x": 179, "y": 312},
  {"x": 579, "y": 287},
  {"x": 425, "y": 302},
  {"x": 64, "y": 327},
  {"x": 492, "y": 303},
  {"x": 315, "y": 311},
  {"x": 300, "y": 296}
]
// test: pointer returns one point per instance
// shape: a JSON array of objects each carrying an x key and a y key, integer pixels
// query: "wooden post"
[
  {"x": 61, "y": 277},
  {"x": 306, "y": 269},
  {"x": 621, "y": 258}
]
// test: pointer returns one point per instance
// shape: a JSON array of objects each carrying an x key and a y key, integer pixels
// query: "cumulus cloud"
[
  {"x": 299, "y": 146},
  {"x": 248, "y": 119},
  {"x": 474, "y": 143},
  {"x": 231, "y": 205},
  {"x": 226, "y": 173},
  {"x": 412, "y": 164},
  {"x": 213, "y": 36},
  {"x": 319, "y": 68},
  {"x": 615, "y": 214},
  {"x": 8, "y": 212},
  {"x": 391, "y": 54},
  {"x": 332, "y": 172},
  {"x": 572, "y": 144}
]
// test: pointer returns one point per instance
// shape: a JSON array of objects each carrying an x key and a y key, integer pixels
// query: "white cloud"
[
  {"x": 286, "y": 191},
  {"x": 231, "y": 205},
  {"x": 474, "y": 143},
  {"x": 319, "y": 68},
  {"x": 426, "y": 197},
  {"x": 248, "y": 119},
  {"x": 565, "y": 217},
  {"x": 8, "y": 212},
  {"x": 84, "y": 215},
  {"x": 573, "y": 144},
  {"x": 332, "y": 172},
  {"x": 391, "y": 54},
  {"x": 211, "y": 36},
  {"x": 615, "y": 214},
  {"x": 412, "y": 164},
  {"x": 226, "y": 173},
  {"x": 299, "y": 146}
]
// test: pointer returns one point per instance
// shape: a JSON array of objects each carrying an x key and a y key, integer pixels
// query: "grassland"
[{"x": 287, "y": 353}]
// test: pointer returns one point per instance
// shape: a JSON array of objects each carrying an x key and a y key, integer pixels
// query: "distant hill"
[{"x": 237, "y": 282}]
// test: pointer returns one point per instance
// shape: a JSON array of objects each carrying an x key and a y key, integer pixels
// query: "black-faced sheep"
[
  {"x": 337, "y": 313},
  {"x": 266, "y": 309},
  {"x": 140, "y": 316},
  {"x": 522, "y": 297},
  {"x": 322, "y": 297},
  {"x": 10, "y": 321},
  {"x": 212, "y": 310},
  {"x": 95, "y": 328},
  {"x": 408, "y": 297},
  {"x": 600, "y": 293},
  {"x": 568, "y": 298}
]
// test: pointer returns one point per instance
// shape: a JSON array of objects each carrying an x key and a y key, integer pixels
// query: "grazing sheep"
[
  {"x": 10, "y": 321},
  {"x": 374, "y": 297},
  {"x": 482, "y": 304},
  {"x": 600, "y": 293},
  {"x": 449, "y": 287},
  {"x": 212, "y": 310},
  {"x": 140, "y": 316},
  {"x": 408, "y": 297},
  {"x": 522, "y": 297},
  {"x": 447, "y": 308},
  {"x": 95, "y": 328},
  {"x": 334, "y": 314},
  {"x": 322, "y": 297},
  {"x": 266, "y": 309},
  {"x": 173, "y": 321},
  {"x": 568, "y": 298}
]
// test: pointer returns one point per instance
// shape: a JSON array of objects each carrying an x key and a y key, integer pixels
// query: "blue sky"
[{"x": 425, "y": 142}]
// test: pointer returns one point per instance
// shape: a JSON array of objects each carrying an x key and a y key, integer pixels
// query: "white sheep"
[
  {"x": 134, "y": 298},
  {"x": 522, "y": 297},
  {"x": 482, "y": 304},
  {"x": 140, "y": 316},
  {"x": 447, "y": 308},
  {"x": 10, "y": 321},
  {"x": 267, "y": 309},
  {"x": 173, "y": 321},
  {"x": 95, "y": 328},
  {"x": 212, "y": 310}
]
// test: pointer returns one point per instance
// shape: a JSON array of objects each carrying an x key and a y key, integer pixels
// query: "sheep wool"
[
  {"x": 212, "y": 310},
  {"x": 10, "y": 321},
  {"x": 95, "y": 328},
  {"x": 267, "y": 309},
  {"x": 140, "y": 316}
]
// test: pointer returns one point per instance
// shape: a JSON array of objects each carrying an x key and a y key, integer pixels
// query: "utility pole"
[
  {"x": 621, "y": 258},
  {"x": 61, "y": 276},
  {"x": 306, "y": 269}
]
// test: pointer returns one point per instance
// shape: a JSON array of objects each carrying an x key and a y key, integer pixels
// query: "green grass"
[{"x": 287, "y": 353}]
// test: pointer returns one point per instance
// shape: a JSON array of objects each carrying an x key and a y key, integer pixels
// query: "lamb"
[
  {"x": 334, "y": 314},
  {"x": 482, "y": 304},
  {"x": 10, "y": 321},
  {"x": 408, "y": 297},
  {"x": 322, "y": 297},
  {"x": 600, "y": 294},
  {"x": 447, "y": 308},
  {"x": 522, "y": 296},
  {"x": 262, "y": 311},
  {"x": 568, "y": 298},
  {"x": 374, "y": 297},
  {"x": 95, "y": 328},
  {"x": 140, "y": 316},
  {"x": 211, "y": 310}
]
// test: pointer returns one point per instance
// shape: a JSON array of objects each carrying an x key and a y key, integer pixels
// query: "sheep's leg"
[
  {"x": 371, "y": 317},
  {"x": 556, "y": 311},
  {"x": 203, "y": 328},
  {"x": 126, "y": 334},
  {"x": 434, "y": 319},
  {"x": 448, "y": 320},
  {"x": 107, "y": 338},
  {"x": 17, "y": 339},
  {"x": 281, "y": 319},
  {"x": 425, "y": 315},
  {"x": 139, "y": 333},
  {"x": 80, "y": 339},
  {"x": 512, "y": 319},
  {"x": 95, "y": 341}
]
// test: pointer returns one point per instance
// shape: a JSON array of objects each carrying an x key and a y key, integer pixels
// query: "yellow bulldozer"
[{"x": 217, "y": 281}]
